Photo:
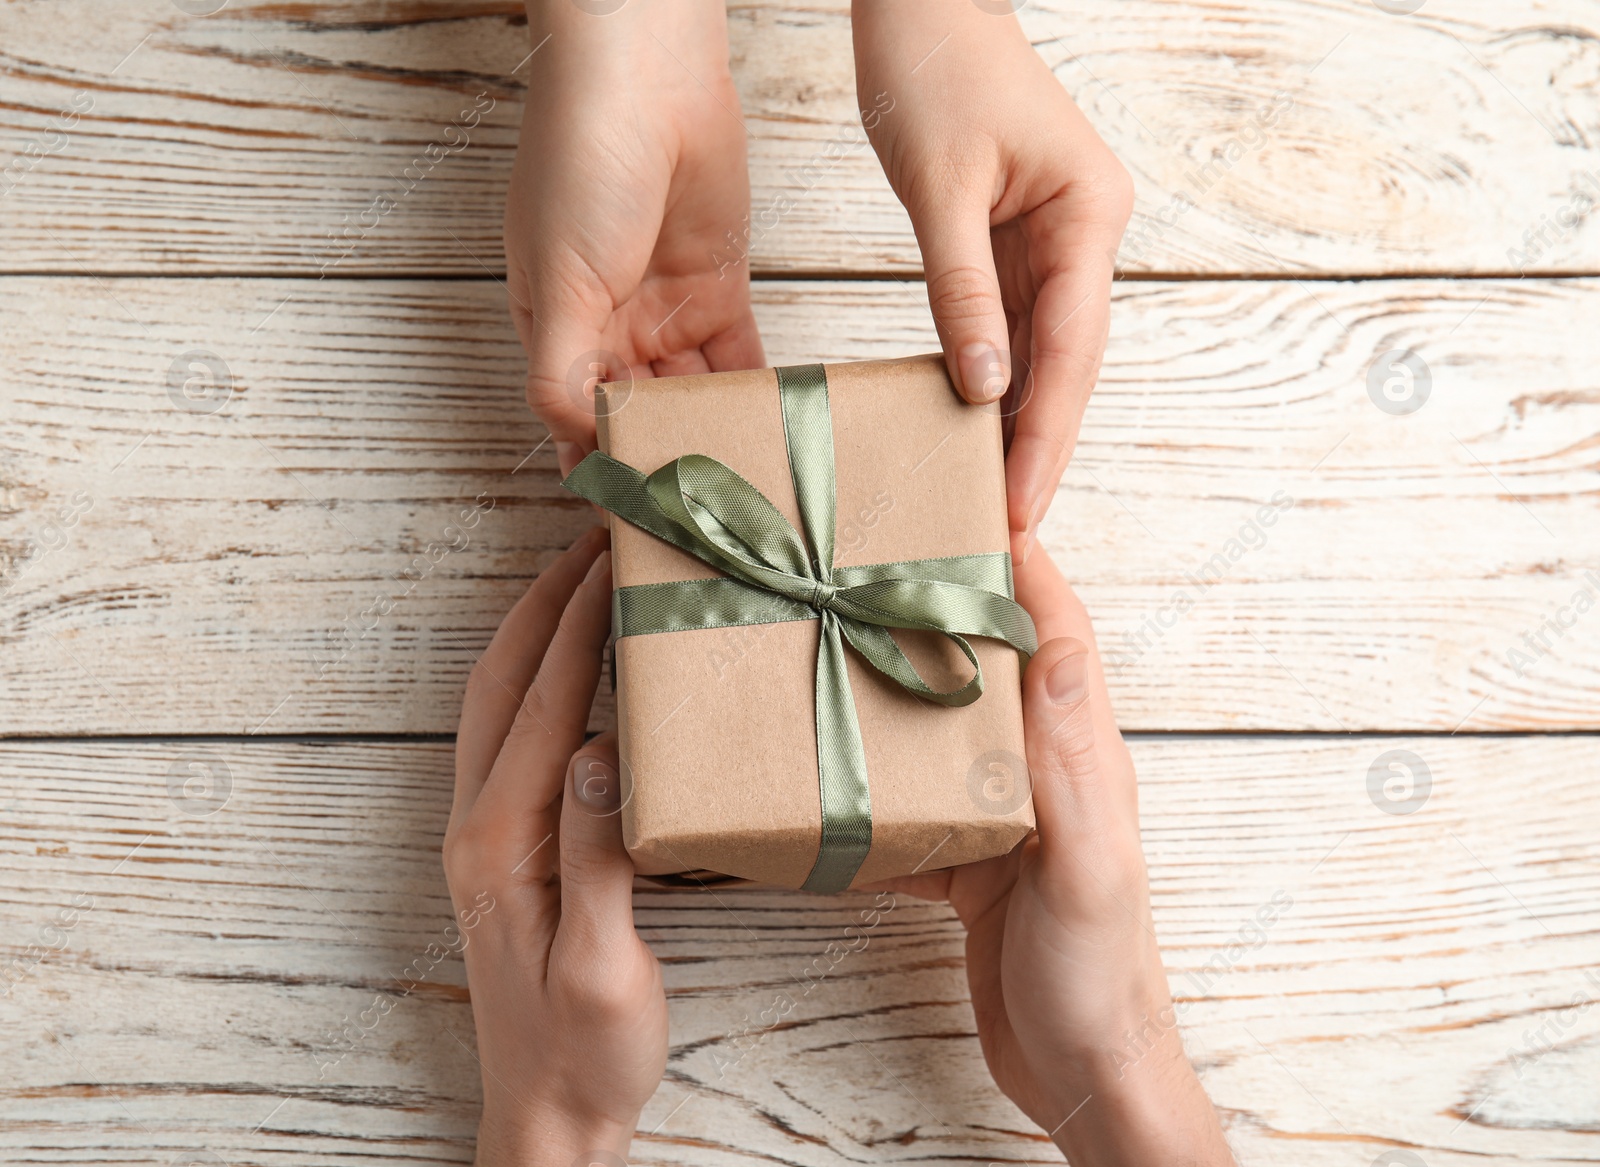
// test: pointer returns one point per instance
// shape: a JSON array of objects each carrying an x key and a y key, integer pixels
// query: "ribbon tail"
[{"x": 841, "y": 770}]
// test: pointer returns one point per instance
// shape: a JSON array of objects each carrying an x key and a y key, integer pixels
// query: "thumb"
[
  {"x": 1070, "y": 795},
  {"x": 964, "y": 295},
  {"x": 596, "y": 873},
  {"x": 561, "y": 390},
  {"x": 562, "y": 324}
]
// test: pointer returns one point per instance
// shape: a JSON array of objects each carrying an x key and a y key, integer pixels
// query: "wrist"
[
  {"x": 524, "y": 1137},
  {"x": 1136, "y": 1100}
]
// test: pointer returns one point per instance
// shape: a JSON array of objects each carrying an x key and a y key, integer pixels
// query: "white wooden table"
[{"x": 223, "y": 786}]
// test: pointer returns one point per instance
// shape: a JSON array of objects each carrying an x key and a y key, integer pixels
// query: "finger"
[
  {"x": 933, "y": 886},
  {"x": 736, "y": 347},
  {"x": 569, "y": 454},
  {"x": 1074, "y": 251},
  {"x": 1021, "y": 391},
  {"x": 562, "y": 328},
  {"x": 681, "y": 364},
  {"x": 502, "y": 674},
  {"x": 964, "y": 293},
  {"x": 526, "y": 779},
  {"x": 1070, "y": 800},
  {"x": 596, "y": 873},
  {"x": 1051, "y": 602},
  {"x": 1059, "y": 616}
]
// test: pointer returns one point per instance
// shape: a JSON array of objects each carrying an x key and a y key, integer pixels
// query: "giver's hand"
[
  {"x": 628, "y": 185},
  {"x": 1018, "y": 207},
  {"x": 1061, "y": 958},
  {"x": 567, "y": 1000}
]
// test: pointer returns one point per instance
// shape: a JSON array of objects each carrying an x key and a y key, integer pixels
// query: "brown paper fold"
[{"x": 717, "y": 727}]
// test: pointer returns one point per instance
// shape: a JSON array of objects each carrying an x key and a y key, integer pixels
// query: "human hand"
[
  {"x": 1018, "y": 207},
  {"x": 568, "y": 1001},
  {"x": 1061, "y": 958},
  {"x": 629, "y": 176}
]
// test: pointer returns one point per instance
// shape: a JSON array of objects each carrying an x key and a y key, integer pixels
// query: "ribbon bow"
[{"x": 701, "y": 506}]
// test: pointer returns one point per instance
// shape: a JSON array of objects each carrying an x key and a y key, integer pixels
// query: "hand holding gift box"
[
  {"x": 812, "y": 765},
  {"x": 1070, "y": 998}
]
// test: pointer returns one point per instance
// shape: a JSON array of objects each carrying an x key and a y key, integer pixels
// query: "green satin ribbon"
[{"x": 701, "y": 506}]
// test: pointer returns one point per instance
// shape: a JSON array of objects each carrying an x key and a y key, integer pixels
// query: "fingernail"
[
  {"x": 1030, "y": 544},
  {"x": 600, "y": 566},
  {"x": 1065, "y": 680},
  {"x": 567, "y": 456},
  {"x": 985, "y": 371},
  {"x": 596, "y": 784}
]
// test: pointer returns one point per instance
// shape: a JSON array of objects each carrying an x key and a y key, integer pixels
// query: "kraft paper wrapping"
[{"x": 717, "y": 728}]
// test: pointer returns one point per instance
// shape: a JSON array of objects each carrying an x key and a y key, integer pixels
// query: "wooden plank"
[
  {"x": 188, "y": 1002},
  {"x": 298, "y": 560},
  {"x": 1310, "y": 138}
]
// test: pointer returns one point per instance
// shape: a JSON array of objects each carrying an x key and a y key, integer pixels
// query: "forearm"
[
  {"x": 887, "y": 22},
  {"x": 572, "y": 24},
  {"x": 666, "y": 53}
]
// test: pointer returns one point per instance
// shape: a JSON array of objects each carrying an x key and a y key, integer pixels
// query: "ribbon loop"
[{"x": 703, "y": 507}]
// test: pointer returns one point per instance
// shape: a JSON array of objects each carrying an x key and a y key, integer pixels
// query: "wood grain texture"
[
  {"x": 137, "y": 138},
  {"x": 297, "y": 561},
  {"x": 188, "y": 1004}
]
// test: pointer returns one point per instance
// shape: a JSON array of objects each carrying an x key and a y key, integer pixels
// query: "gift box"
[{"x": 818, "y": 656}]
